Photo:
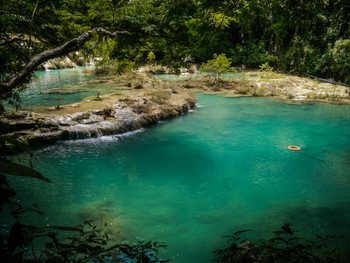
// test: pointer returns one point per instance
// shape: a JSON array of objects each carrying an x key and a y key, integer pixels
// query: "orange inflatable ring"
[{"x": 293, "y": 148}]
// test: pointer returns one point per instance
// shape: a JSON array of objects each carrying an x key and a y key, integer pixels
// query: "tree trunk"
[{"x": 72, "y": 45}]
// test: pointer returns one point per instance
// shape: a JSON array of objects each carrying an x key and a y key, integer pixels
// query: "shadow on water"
[
  {"x": 345, "y": 157},
  {"x": 304, "y": 153}
]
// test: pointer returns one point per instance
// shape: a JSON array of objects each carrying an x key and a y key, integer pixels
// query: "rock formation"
[{"x": 115, "y": 115}]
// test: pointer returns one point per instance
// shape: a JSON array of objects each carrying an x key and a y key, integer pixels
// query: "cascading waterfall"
[
  {"x": 46, "y": 67},
  {"x": 83, "y": 131}
]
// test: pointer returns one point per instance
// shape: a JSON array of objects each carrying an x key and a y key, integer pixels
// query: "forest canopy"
[{"x": 300, "y": 37}]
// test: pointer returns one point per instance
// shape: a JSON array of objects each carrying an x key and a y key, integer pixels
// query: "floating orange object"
[{"x": 293, "y": 148}]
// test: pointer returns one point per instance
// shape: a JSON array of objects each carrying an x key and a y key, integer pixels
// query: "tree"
[
  {"x": 219, "y": 65},
  {"x": 289, "y": 36},
  {"x": 20, "y": 77},
  {"x": 335, "y": 63}
]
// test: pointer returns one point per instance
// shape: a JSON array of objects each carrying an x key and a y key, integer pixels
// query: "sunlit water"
[
  {"x": 186, "y": 76},
  {"x": 44, "y": 81},
  {"x": 188, "y": 181}
]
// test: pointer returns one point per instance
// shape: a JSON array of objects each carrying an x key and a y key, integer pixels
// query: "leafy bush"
[
  {"x": 114, "y": 66},
  {"x": 151, "y": 57},
  {"x": 301, "y": 57},
  {"x": 266, "y": 67},
  {"x": 252, "y": 55},
  {"x": 335, "y": 63},
  {"x": 219, "y": 65},
  {"x": 283, "y": 247},
  {"x": 160, "y": 95}
]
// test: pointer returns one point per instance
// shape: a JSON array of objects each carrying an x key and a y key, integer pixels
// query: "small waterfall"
[
  {"x": 46, "y": 67},
  {"x": 81, "y": 131}
]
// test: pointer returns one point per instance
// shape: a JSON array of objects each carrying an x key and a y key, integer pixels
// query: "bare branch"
[
  {"x": 72, "y": 45},
  {"x": 32, "y": 22},
  {"x": 10, "y": 41}
]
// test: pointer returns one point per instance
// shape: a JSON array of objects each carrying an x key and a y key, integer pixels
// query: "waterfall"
[
  {"x": 82, "y": 131},
  {"x": 46, "y": 67}
]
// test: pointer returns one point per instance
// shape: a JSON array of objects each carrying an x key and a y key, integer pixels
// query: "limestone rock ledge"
[{"x": 114, "y": 118}]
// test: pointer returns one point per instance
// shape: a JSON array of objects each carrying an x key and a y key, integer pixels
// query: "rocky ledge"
[
  {"x": 109, "y": 115},
  {"x": 138, "y": 100}
]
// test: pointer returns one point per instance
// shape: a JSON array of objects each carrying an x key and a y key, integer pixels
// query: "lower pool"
[{"x": 221, "y": 168}]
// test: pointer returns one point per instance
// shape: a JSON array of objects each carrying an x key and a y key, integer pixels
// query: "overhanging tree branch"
[{"x": 72, "y": 45}]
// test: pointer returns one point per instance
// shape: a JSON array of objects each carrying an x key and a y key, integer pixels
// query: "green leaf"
[
  {"x": 16, "y": 143},
  {"x": 25, "y": 209},
  {"x": 241, "y": 231},
  {"x": 11, "y": 168},
  {"x": 67, "y": 228}
]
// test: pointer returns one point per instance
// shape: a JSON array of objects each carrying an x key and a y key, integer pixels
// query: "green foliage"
[
  {"x": 26, "y": 29},
  {"x": 114, "y": 66},
  {"x": 266, "y": 67},
  {"x": 219, "y": 65},
  {"x": 284, "y": 246},
  {"x": 287, "y": 36},
  {"x": 335, "y": 62},
  {"x": 220, "y": 20},
  {"x": 341, "y": 57},
  {"x": 12, "y": 99},
  {"x": 103, "y": 51},
  {"x": 301, "y": 57},
  {"x": 151, "y": 57},
  {"x": 252, "y": 54}
]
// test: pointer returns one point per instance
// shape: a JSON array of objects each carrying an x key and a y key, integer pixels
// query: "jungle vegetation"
[{"x": 298, "y": 37}]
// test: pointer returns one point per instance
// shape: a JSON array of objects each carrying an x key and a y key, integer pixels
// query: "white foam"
[{"x": 107, "y": 138}]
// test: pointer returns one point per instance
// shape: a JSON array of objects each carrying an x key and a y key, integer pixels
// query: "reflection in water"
[
  {"x": 38, "y": 92},
  {"x": 305, "y": 155}
]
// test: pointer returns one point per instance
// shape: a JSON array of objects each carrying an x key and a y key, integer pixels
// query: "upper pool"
[{"x": 45, "y": 88}]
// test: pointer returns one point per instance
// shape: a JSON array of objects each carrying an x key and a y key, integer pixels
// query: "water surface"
[
  {"x": 73, "y": 80},
  {"x": 221, "y": 168}
]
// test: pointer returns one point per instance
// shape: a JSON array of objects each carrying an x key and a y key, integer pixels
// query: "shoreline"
[
  {"x": 271, "y": 84},
  {"x": 148, "y": 100},
  {"x": 37, "y": 129},
  {"x": 119, "y": 112}
]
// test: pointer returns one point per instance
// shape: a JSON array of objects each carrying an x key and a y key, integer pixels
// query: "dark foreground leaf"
[{"x": 8, "y": 167}]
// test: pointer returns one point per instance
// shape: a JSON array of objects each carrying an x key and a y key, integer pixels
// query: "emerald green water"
[
  {"x": 221, "y": 168},
  {"x": 74, "y": 80}
]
